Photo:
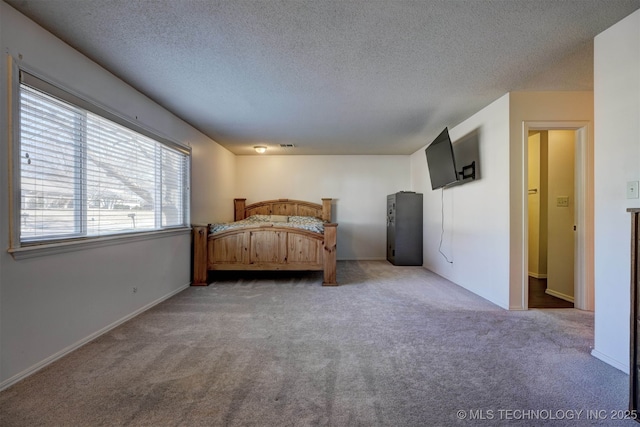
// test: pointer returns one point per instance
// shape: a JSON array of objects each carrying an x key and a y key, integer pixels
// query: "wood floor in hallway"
[{"x": 539, "y": 299}]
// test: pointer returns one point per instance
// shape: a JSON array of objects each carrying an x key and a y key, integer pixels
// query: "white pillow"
[{"x": 279, "y": 218}]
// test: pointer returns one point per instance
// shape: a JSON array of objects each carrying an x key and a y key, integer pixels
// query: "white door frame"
[{"x": 584, "y": 221}]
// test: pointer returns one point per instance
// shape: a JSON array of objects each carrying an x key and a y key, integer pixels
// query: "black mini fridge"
[{"x": 404, "y": 228}]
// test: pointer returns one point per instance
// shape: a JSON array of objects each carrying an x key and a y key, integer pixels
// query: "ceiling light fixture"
[{"x": 260, "y": 149}]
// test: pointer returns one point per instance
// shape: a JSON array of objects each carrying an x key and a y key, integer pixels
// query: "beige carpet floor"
[{"x": 390, "y": 346}]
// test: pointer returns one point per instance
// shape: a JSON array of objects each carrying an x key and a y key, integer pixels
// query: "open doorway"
[
  {"x": 551, "y": 211},
  {"x": 558, "y": 226}
]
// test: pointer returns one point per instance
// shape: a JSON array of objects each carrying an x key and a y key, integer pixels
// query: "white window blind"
[{"x": 84, "y": 175}]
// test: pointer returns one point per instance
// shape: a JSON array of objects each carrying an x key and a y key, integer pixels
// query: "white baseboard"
[
  {"x": 538, "y": 275},
  {"x": 610, "y": 361},
  {"x": 35, "y": 368},
  {"x": 559, "y": 295}
]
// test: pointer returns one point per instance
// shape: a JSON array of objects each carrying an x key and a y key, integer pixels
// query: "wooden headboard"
[{"x": 282, "y": 207}]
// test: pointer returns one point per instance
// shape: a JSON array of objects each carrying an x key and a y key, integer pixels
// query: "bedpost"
[
  {"x": 329, "y": 258},
  {"x": 326, "y": 210},
  {"x": 200, "y": 255},
  {"x": 239, "y": 205}
]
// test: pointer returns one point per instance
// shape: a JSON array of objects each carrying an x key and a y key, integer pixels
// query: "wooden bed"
[{"x": 271, "y": 246}]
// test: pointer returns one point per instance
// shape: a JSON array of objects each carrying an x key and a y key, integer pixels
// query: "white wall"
[
  {"x": 617, "y": 161},
  {"x": 359, "y": 185},
  {"x": 559, "y": 108},
  {"x": 484, "y": 231},
  {"x": 50, "y": 304},
  {"x": 213, "y": 171},
  {"x": 476, "y": 214}
]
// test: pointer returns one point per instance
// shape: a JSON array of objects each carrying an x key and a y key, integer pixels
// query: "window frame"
[{"x": 19, "y": 73}]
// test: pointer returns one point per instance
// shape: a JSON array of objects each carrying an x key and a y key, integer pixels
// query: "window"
[{"x": 83, "y": 174}]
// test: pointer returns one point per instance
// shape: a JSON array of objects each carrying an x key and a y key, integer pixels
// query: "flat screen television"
[{"x": 440, "y": 161}]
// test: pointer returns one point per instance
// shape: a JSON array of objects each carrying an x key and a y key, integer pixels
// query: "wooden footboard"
[{"x": 266, "y": 248}]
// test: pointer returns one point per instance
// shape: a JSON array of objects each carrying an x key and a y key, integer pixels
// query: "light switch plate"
[
  {"x": 562, "y": 201},
  {"x": 632, "y": 190}
]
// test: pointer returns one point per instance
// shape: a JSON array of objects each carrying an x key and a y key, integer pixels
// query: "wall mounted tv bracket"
[{"x": 468, "y": 172}]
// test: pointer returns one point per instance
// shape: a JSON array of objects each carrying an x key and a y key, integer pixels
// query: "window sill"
[{"x": 44, "y": 249}]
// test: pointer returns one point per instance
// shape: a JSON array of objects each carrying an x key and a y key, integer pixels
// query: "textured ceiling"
[{"x": 333, "y": 77}]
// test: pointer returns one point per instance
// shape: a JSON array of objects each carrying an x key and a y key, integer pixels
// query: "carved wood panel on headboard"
[{"x": 283, "y": 207}]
